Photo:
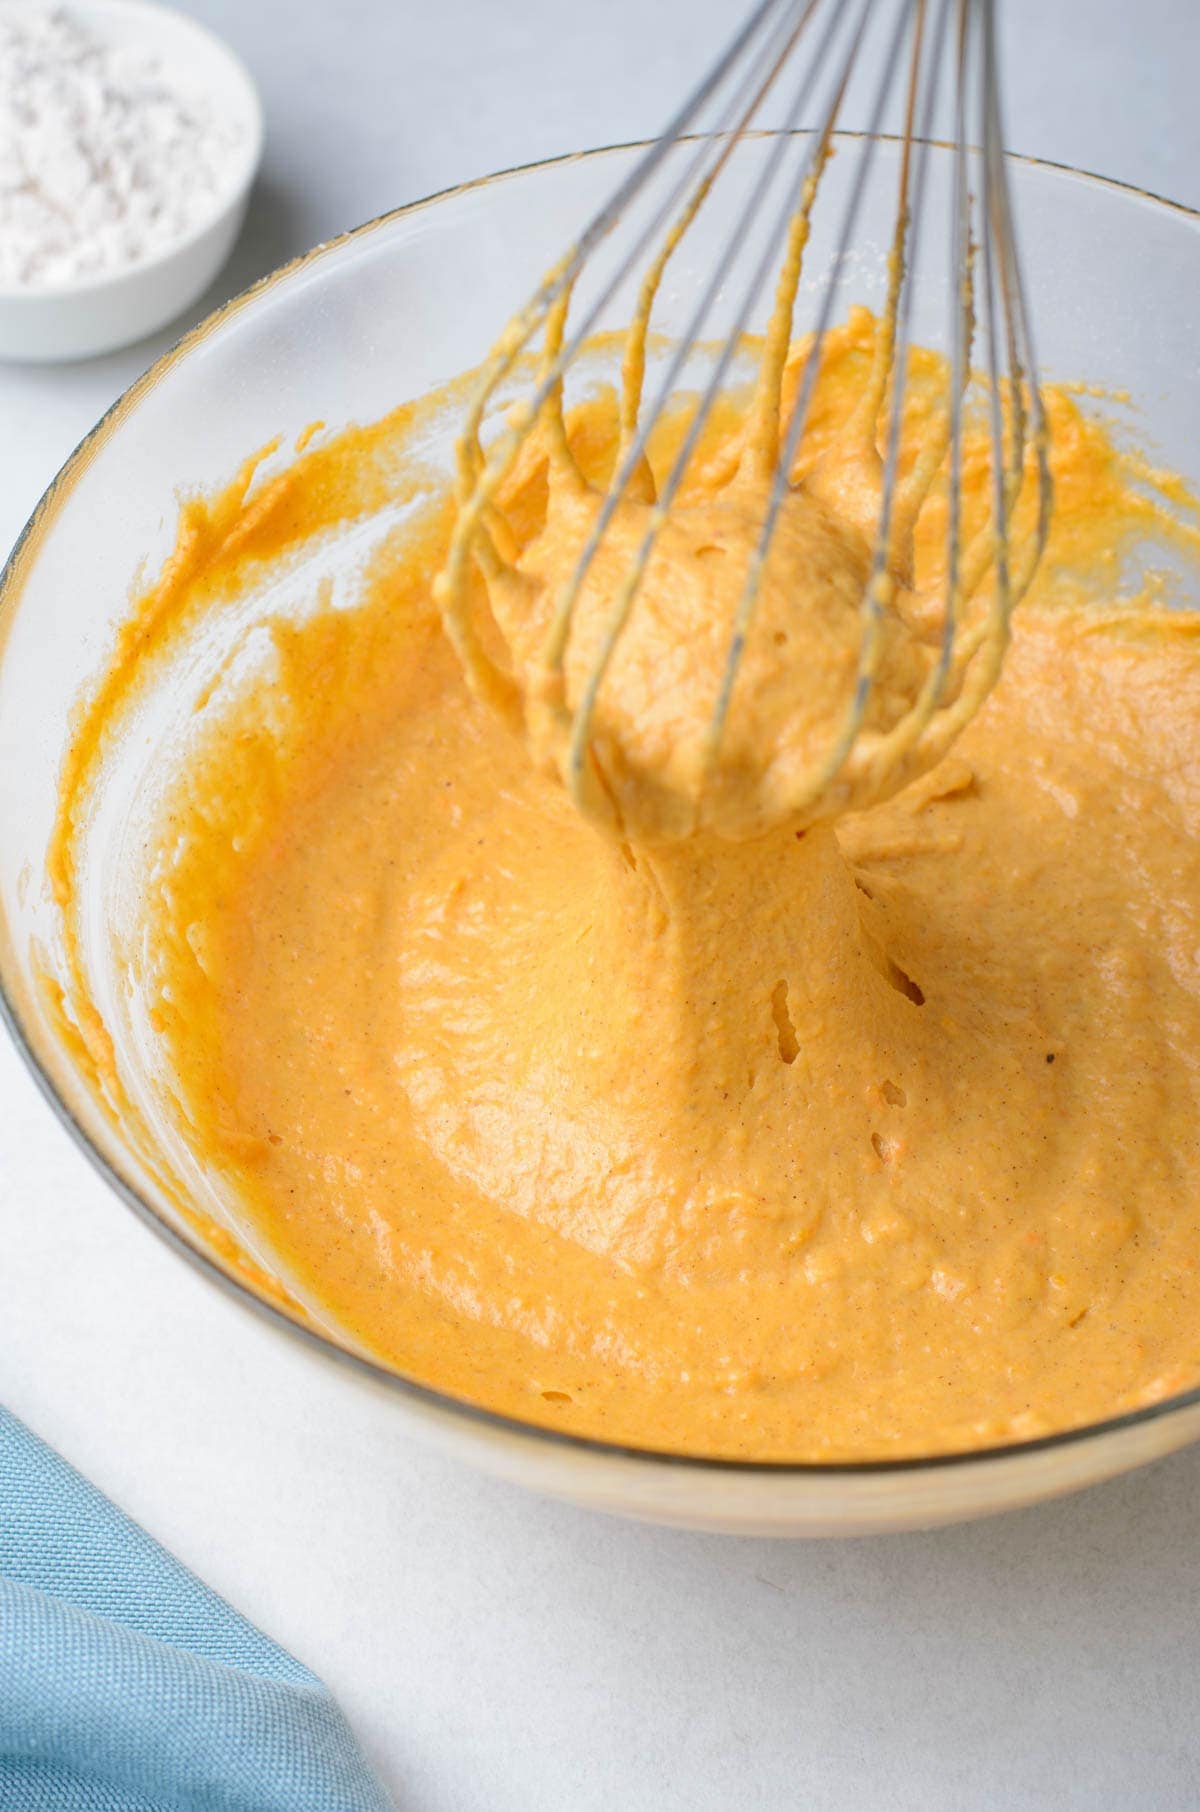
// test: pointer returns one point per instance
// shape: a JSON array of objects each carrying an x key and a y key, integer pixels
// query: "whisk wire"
[
  {"x": 903, "y": 261},
  {"x": 1029, "y": 418},
  {"x": 786, "y": 459}
]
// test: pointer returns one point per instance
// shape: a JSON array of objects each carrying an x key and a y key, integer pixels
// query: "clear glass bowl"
[{"x": 385, "y": 314}]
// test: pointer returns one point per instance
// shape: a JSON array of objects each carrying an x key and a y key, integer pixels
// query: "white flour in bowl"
[{"x": 104, "y": 159}]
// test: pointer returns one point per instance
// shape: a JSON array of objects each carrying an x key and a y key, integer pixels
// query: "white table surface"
[{"x": 495, "y": 1651}]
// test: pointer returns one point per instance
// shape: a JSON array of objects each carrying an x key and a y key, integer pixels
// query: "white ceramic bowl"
[{"x": 79, "y": 320}]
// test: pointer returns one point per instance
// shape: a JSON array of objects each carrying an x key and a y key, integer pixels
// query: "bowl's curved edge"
[{"x": 442, "y": 1404}]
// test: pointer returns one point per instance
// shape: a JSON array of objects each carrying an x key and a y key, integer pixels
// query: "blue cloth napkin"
[{"x": 127, "y": 1686}]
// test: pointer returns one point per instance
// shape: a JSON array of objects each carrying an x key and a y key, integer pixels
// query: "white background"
[{"x": 495, "y": 1651}]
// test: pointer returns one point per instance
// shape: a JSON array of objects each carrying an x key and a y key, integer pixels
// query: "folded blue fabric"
[{"x": 127, "y": 1686}]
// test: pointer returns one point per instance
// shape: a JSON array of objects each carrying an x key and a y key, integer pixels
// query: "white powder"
[{"x": 104, "y": 158}]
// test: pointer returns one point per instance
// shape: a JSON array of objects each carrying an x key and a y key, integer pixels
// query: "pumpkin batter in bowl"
[{"x": 870, "y": 1135}]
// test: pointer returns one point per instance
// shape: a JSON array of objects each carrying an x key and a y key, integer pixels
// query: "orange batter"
[{"x": 872, "y": 1135}]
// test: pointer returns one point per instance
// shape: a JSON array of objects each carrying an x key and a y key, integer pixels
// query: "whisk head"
[{"x": 723, "y": 629}]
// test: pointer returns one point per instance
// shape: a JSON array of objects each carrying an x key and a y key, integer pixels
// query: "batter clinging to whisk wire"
[{"x": 741, "y": 638}]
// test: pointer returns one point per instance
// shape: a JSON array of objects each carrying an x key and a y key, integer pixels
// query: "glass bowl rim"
[{"x": 12, "y": 575}]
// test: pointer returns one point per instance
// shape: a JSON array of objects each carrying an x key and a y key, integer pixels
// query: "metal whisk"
[{"x": 792, "y": 62}]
